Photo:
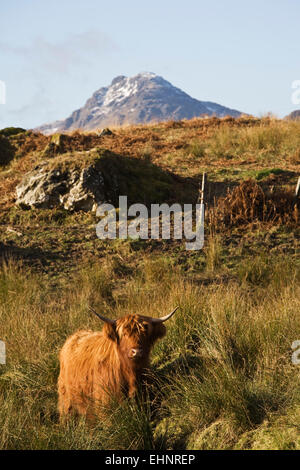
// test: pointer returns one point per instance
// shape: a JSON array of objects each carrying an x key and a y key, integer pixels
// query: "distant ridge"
[
  {"x": 146, "y": 97},
  {"x": 294, "y": 116}
]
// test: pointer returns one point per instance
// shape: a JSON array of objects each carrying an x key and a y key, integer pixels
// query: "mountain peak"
[
  {"x": 147, "y": 75},
  {"x": 118, "y": 79},
  {"x": 142, "y": 98}
]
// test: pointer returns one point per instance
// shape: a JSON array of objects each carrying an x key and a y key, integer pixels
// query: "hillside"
[
  {"x": 144, "y": 98},
  {"x": 224, "y": 377}
]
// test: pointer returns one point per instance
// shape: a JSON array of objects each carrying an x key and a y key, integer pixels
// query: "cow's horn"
[
  {"x": 165, "y": 318},
  {"x": 106, "y": 320}
]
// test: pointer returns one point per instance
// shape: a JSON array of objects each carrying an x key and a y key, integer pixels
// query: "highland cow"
[{"x": 98, "y": 366}]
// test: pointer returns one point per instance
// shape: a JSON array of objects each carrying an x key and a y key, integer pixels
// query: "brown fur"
[{"x": 96, "y": 366}]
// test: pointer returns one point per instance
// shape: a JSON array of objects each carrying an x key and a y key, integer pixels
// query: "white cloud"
[
  {"x": 45, "y": 77},
  {"x": 60, "y": 57}
]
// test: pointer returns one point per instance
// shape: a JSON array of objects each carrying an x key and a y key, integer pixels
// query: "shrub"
[
  {"x": 249, "y": 203},
  {"x": 9, "y": 131},
  {"x": 6, "y": 151}
]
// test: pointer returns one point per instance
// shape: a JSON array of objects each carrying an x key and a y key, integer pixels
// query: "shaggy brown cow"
[{"x": 95, "y": 366}]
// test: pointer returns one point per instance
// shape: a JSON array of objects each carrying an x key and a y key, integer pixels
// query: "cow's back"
[{"x": 80, "y": 371}]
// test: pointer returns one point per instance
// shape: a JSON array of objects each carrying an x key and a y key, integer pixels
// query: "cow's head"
[{"x": 135, "y": 334}]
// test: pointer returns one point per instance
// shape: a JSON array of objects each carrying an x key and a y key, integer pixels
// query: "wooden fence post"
[
  {"x": 298, "y": 188},
  {"x": 201, "y": 191}
]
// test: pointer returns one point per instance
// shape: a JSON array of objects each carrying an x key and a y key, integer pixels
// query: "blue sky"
[{"x": 54, "y": 55}]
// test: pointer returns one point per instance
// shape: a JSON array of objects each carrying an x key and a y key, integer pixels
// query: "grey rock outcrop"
[
  {"x": 72, "y": 189},
  {"x": 82, "y": 180}
]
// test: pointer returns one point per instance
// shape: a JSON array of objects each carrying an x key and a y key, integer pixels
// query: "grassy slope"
[{"x": 224, "y": 373}]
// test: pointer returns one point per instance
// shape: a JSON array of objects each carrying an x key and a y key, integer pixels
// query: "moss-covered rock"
[
  {"x": 170, "y": 434},
  {"x": 276, "y": 433},
  {"x": 83, "y": 180},
  {"x": 220, "y": 435},
  {"x": 270, "y": 438}
]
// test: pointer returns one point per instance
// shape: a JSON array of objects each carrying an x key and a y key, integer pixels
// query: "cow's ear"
[{"x": 110, "y": 331}]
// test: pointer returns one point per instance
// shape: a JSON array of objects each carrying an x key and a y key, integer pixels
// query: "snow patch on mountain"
[{"x": 119, "y": 93}]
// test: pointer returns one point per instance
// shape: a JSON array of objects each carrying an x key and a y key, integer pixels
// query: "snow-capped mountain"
[{"x": 143, "y": 98}]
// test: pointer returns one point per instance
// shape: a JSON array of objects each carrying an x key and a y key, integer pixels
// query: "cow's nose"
[{"x": 135, "y": 352}]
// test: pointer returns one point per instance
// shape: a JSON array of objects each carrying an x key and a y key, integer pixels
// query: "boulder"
[
  {"x": 71, "y": 189},
  {"x": 83, "y": 180}
]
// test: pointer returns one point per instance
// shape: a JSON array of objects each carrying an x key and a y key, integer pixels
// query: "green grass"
[
  {"x": 266, "y": 143},
  {"x": 224, "y": 373}
]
